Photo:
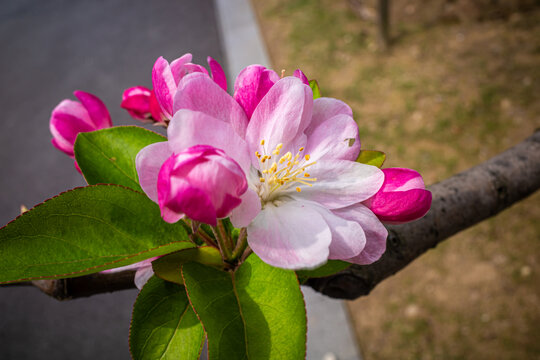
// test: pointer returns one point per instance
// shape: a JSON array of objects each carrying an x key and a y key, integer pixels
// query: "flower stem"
[
  {"x": 246, "y": 253},
  {"x": 241, "y": 244},
  {"x": 222, "y": 241},
  {"x": 207, "y": 239}
]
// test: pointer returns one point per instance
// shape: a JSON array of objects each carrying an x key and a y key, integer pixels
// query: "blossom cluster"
[{"x": 277, "y": 162}]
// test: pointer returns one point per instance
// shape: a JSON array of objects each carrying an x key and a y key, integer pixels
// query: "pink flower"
[
  {"x": 253, "y": 83},
  {"x": 201, "y": 182},
  {"x": 165, "y": 78},
  {"x": 402, "y": 197},
  {"x": 69, "y": 118},
  {"x": 305, "y": 190},
  {"x": 141, "y": 104}
]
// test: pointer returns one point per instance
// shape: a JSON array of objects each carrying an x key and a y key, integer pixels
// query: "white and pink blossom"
[{"x": 305, "y": 191}]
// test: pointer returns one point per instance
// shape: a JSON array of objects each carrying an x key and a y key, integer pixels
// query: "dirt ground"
[{"x": 459, "y": 85}]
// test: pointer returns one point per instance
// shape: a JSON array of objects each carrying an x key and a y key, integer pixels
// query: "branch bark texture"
[{"x": 458, "y": 203}]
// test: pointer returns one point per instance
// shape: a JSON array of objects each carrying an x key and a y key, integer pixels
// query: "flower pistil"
[{"x": 276, "y": 176}]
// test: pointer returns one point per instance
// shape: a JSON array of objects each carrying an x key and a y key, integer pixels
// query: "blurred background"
[{"x": 456, "y": 83}]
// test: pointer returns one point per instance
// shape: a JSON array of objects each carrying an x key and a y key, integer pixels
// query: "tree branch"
[{"x": 458, "y": 203}]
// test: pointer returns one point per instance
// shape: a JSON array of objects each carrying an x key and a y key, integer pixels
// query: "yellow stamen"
[
  {"x": 301, "y": 149},
  {"x": 306, "y": 175},
  {"x": 261, "y": 179},
  {"x": 307, "y": 157},
  {"x": 298, "y": 189},
  {"x": 262, "y": 142}
]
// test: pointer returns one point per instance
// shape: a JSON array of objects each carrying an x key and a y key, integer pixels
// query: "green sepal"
[
  {"x": 84, "y": 231},
  {"x": 314, "y": 85},
  {"x": 168, "y": 267},
  {"x": 107, "y": 156},
  {"x": 163, "y": 324},
  {"x": 255, "y": 312},
  {"x": 371, "y": 157},
  {"x": 330, "y": 268}
]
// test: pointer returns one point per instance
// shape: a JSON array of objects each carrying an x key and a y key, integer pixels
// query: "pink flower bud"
[
  {"x": 69, "y": 118},
  {"x": 253, "y": 83},
  {"x": 299, "y": 74},
  {"x": 401, "y": 198},
  {"x": 166, "y": 77},
  {"x": 136, "y": 100},
  {"x": 141, "y": 104},
  {"x": 201, "y": 182}
]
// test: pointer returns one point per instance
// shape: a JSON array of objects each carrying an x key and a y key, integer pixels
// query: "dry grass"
[{"x": 449, "y": 95}]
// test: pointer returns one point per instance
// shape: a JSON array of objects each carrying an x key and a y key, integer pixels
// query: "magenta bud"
[
  {"x": 69, "y": 118},
  {"x": 201, "y": 182},
  {"x": 401, "y": 198}
]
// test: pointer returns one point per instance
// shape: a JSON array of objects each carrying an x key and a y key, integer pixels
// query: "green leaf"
[
  {"x": 371, "y": 157},
  {"x": 168, "y": 267},
  {"x": 163, "y": 324},
  {"x": 256, "y": 312},
  {"x": 84, "y": 231},
  {"x": 314, "y": 85},
  {"x": 331, "y": 267},
  {"x": 108, "y": 156}
]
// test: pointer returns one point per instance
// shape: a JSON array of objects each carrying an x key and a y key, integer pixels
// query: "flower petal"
[
  {"x": 178, "y": 68},
  {"x": 142, "y": 276},
  {"x": 401, "y": 179},
  {"x": 336, "y": 138},
  {"x": 291, "y": 235},
  {"x": 164, "y": 84},
  {"x": 251, "y": 86},
  {"x": 135, "y": 266},
  {"x": 374, "y": 231},
  {"x": 300, "y": 74},
  {"x": 398, "y": 207},
  {"x": 218, "y": 75},
  {"x": 189, "y": 128},
  {"x": 247, "y": 210},
  {"x": 200, "y": 93},
  {"x": 325, "y": 108},
  {"x": 348, "y": 238},
  {"x": 281, "y": 116},
  {"x": 96, "y": 109},
  {"x": 340, "y": 183},
  {"x": 148, "y": 163}
]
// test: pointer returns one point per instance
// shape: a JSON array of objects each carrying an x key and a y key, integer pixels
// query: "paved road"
[{"x": 50, "y": 48}]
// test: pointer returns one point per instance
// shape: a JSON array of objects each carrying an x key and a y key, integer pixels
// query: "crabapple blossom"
[
  {"x": 304, "y": 187},
  {"x": 165, "y": 78},
  {"x": 401, "y": 198},
  {"x": 69, "y": 118},
  {"x": 141, "y": 103},
  {"x": 201, "y": 182}
]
